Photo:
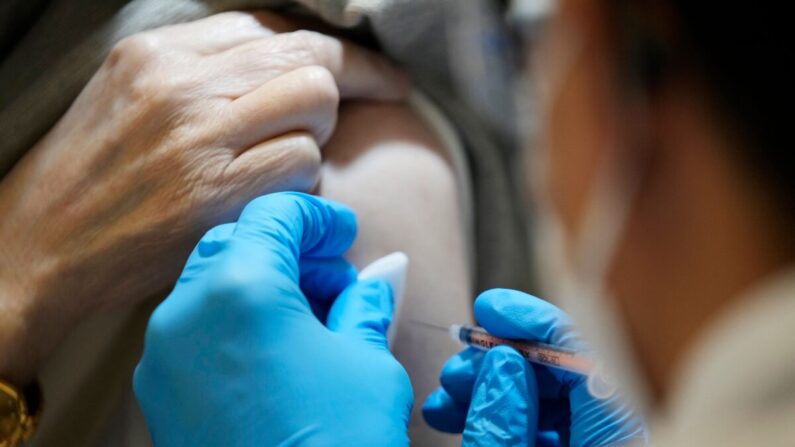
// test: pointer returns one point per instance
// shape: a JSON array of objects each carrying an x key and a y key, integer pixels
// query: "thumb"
[
  {"x": 504, "y": 408},
  {"x": 363, "y": 310}
]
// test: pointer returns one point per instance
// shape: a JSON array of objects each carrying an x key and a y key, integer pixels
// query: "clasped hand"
[{"x": 179, "y": 128}]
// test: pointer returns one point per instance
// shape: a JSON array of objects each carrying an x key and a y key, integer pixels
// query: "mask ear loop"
[
  {"x": 542, "y": 85},
  {"x": 606, "y": 218},
  {"x": 600, "y": 384},
  {"x": 604, "y": 223},
  {"x": 647, "y": 63}
]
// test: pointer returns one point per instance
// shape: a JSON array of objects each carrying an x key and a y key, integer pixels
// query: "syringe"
[{"x": 540, "y": 353}]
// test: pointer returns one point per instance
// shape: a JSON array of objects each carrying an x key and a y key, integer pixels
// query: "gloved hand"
[
  {"x": 498, "y": 398},
  {"x": 236, "y": 357}
]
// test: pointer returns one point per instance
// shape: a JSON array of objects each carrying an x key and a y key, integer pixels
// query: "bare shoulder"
[{"x": 366, "y": 125}]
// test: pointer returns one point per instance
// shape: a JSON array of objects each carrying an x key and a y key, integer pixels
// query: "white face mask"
[{"x": 579, "y": 283}]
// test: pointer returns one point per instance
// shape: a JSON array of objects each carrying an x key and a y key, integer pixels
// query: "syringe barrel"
[
  {"x": 599, "y": 385},
  {"x": 535, "y": 352}
]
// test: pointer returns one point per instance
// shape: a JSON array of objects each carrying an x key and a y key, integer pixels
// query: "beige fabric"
[
  {"x": 88, "y": 377},
  {"x": 738, "y": 384}
]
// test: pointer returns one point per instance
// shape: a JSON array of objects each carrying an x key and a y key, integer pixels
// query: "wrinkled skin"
[{"x": 177, "y": 130}]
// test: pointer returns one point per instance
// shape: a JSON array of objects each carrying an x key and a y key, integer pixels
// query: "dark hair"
[{"x": 742, "y": 52}]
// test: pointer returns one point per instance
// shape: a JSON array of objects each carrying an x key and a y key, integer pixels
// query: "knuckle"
[
  {"x": 144, "y": 380},
  {"x": 322, "y": 86},
  {"x": 308, "y": 159},
  {"x": 218, "y": 233},
  {"x": 236, "y": 17},
  {"x": 137, "y": 49},
  {"x": 233, "y": 281},
  {"x": 214, "y": 240},
  {"x": 140, "y": 382},
  {"x": 243, "y": 20},
  {"x": 169, "y": 160},
  {"x": 304, "y": 143},
  {"x": 301, "y": 156},
  {"x": 141, "y": 64},
  {"x": 307, "y": 39},
  {"x": 245, "y": 292},
  {"x": 304, "y": 155},
  {"x": 227, "y": 281},
  {"x": 160, "y": 88},
  {"x": 160, "y": 324},
  {"x": 317, "y": 47}
]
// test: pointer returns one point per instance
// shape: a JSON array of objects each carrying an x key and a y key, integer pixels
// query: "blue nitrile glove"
[
  {"x": 497, "y": 398},
  {"x": 236, "y": 357}
]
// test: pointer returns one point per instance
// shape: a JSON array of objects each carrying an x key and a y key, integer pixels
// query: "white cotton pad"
[{"x": 391, "y": 268}]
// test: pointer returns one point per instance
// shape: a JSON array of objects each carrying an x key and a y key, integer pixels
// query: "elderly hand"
[
  {"x": 177, "y": 130},
  {"x": 236, "y": 357}
]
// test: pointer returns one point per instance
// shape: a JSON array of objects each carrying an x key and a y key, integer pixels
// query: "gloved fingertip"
[
  {"x": 444, "y": 414},
  {"x": 504, "y": 408},
  {"x": 548, "y": 439},
  {"x": 504, "y": 303},
  {"x": 319, "y": 226},
  {"x": 495, "y": 298},
  {"x": 459, "y": 373},
  {"x": 513, "y": 314},
  {"x": 364, "y": 309},
  {"x": 343, "y": 222},
  {"x": 378, "y": 293}
]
